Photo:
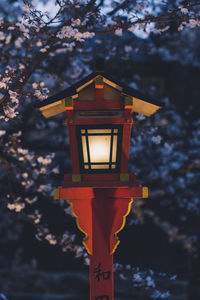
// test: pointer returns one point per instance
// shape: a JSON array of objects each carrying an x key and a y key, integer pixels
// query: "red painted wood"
[
  {"x": 100, "y": 202},
  {"x": 94, "y": 105},
  {"x": 125, "y": 147},
  {"x": 99, "y": 96},
  {"x": 96, "y": 184},
  {"x": 89, "y": 192},
  {"x": 111, "y": 180},
  {"x": 101, "y": 218},
  {"x": 82, "y": 209},
  {"x": 95, "y": 121},
  {"x": 120, "y": 208},
  {"x": 100, "y": 180},
  {"x": 128, "y": 113},
  {"x": 73, "y": 149},
  {"x": 100, "y": 177},
  {"x": 101, "y": 261}
]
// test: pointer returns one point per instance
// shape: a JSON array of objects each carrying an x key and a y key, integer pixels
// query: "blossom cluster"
[
  {"x": 41, "y": 92},
  {"x": 146, "y": 279},
  {"x": 69, "y": 32}
]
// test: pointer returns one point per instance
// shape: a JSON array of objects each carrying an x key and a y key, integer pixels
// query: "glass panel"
[
  {"x": 115, "y": 130},
  {"x": 100, "y": 166},
  {"x": 113, "y": 166},
  {"x": 94, "y": 131},
  {"x": 82, "y": 130},
  {"x": 86, "y": 167},
  {"x": 114, "y": 150},
  {"x": 99, "y": 147},
  {"x": 84, "y": 145}
]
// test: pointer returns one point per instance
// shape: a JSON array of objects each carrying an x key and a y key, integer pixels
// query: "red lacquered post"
[{"x": 101, "y": 262}]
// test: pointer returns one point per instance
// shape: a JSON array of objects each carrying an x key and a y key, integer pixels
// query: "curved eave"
[
  {"x": 56, "y": 104},
  {"x": 144, "y": 108},
  {"x": 52, "y": 109}
]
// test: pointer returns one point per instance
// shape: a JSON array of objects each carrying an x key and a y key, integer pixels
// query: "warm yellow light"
[{"x": 99, "y": 148}]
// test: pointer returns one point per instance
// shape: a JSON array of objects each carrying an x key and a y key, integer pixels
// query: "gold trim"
[
  {"x": 144, "y": 108},
  {"x": 128, "y": 101},
  {"x": 53, "y": 108},
  {"x": 84, "y": 85},
  {"x": 124, "y": 177},
  {"x": 76, "y": 178},
  {"x": 51, "y": 105},
  {"x": 145, "y": 192},
  {"x": 123, "y": 224},
  {"x": 69, "y": 102},
  {"x": 56, "y": 194},
  {"x": 114, "y": 85},
  {"x": 74, "y": 96}
]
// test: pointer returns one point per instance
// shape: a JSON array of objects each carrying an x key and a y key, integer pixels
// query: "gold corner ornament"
[
  {"x": 145, "y": 192},
  {"x": 124, "y": 177},
  {"x": 76, "y": 178},
  {"x": 56, "y": 194}
]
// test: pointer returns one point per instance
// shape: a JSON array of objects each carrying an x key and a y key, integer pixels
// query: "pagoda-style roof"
[{"x": 56, "y": 104}]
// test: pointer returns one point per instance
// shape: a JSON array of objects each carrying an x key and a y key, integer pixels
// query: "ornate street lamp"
[{"x": 100, "y": 189}]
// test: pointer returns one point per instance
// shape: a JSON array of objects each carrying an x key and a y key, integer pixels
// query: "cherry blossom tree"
[{"x": 43, "y": 51}]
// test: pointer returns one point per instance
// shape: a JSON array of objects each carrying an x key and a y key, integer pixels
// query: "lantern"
[
  {"x": 100, "y": 189},
  {"x": 99, "y": 148}
]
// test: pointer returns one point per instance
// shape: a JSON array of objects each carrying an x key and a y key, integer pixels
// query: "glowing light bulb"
[{"x": 99, "y": 148}]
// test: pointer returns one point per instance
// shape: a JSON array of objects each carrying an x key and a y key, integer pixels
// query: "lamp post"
[{"x": 100, "y": 189}]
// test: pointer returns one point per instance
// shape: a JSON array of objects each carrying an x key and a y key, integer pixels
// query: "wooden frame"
[{"x": 119, "y": 146}]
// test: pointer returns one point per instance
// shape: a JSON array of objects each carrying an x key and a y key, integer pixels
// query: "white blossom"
[
  {"x": 132, "y": 28},
  {"x": 10, "y": 113},
  {"x": 26, "y": 8},
  {"x": 18, "y": 42},
  {"x": 156, "y": 139},
  {"x": 22, "y": 27},
  {"x": 8, "y": 39},
  {"x": 21, "y": 66},
  {"x": 140, "y": 117},
  {"x": 118, "y": 31},
  {"x": 150, "y": 281},
  {"x": 2, "y": 132},
  {"x": 51, "y": 239},
  {"x": 35, "y": 85},
  {"x": 25, "y": 175},
  {"x": 3, "y": 85},
  {"x": 161, "y": 295},
  {"x": 45, "y": 188},
  {"x": 76, "y": 22},
  {"x": 22, "y": 151},
  {"x": 43, "y": 50},
  {"x": 156, "y": 31},
  {"x": 39, "y": 43},
  {"x": 2, "y": 36},
  {"x": 55, "y": 170},
  {"x": 165, "y": 28},
  {"x": 44, "y": 161},
  {"x": 184, "y": 10},
  {"x": 181, "y": 27},
  {"x": 16, "y": 206},
  {"x": 68, "y": 32},
  {"x": 13, "y": 97},
  {"x": 122, "y": 276}
]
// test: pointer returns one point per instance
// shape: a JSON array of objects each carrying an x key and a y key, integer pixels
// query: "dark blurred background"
[{"x": 158, "y": 256}]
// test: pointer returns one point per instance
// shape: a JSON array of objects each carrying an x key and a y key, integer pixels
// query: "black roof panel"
[{"x": 72, "y": 90}]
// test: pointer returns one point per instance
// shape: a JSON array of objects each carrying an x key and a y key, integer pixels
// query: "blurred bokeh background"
[{"x": 41, "y": 252}]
